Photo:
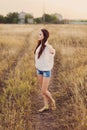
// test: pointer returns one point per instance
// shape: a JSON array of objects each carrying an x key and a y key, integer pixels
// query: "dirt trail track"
[
  {"x": 42, "y": 121},
  {"x": 50, "y": 120},
  {"x": 47, "y": 120}
]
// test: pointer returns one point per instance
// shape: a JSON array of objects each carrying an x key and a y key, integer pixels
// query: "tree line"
[
  {"x": 13, "y": 18},
  {"x": 9, "y": 18}
]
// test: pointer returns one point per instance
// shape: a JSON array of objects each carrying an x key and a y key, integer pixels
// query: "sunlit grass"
[{"x": 70, "y": 43}]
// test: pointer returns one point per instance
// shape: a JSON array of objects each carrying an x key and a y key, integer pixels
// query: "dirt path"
[
  {"x": 65, "y": 116},
  {"x": 47, "y": 120},
  {"x": 61, "y": 119}
]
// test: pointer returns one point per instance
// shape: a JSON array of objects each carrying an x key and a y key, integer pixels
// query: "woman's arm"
[{"x": 51, "y": 49}]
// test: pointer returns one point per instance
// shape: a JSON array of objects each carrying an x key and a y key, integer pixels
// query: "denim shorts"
[{"x": 44, "y": 73}]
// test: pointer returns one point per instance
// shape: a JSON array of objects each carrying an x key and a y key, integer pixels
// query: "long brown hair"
[{"x": 46, "y": 35}]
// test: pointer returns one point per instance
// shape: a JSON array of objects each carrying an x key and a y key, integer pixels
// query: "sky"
[{"x": 69, "y": 9}]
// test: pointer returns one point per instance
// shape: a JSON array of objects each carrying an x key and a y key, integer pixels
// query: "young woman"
[{"x": 44, "y": 61}]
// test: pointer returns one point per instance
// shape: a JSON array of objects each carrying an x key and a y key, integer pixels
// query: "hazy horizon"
[{"x": 70, "y": 9}]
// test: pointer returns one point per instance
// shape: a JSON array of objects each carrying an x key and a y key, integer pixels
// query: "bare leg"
[
  {"x": 45, "y": 88},
  {"x": 46, "y": 92},
  {"x": 40, "y": 80}
]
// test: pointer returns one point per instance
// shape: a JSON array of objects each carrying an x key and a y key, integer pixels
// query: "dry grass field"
[{"x": 20, "y": 96}]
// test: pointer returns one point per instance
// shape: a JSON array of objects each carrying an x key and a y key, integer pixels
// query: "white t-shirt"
[{"x": 46, "y": 60}]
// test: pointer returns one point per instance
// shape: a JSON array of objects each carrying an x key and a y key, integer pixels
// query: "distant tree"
[
  {"x": 38, "y": 20},
  {"x": 27, "y": 17},
  {"x": 83, "y": 20},
  {"x": 54, "y": 19},
  {"x": 1, "y": 19},
  {"x": 11, "y": 17},
  {"x": 47, "y": 18}
]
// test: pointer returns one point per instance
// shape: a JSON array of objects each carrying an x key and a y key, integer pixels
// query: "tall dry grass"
[
  {"x": 70, "y": 42},
  {"x": 19, "y": 86}
]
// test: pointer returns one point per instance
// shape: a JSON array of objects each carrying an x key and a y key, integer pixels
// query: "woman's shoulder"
[{"x": 49, "y": 46}]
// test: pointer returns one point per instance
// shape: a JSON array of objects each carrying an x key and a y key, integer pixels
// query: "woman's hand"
[{"x": 52, "y": 50}]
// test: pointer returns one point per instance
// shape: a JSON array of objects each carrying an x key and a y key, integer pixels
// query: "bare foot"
[
  {"x": 53, "y": 105},
  {"x": 45, "y": 108}
]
